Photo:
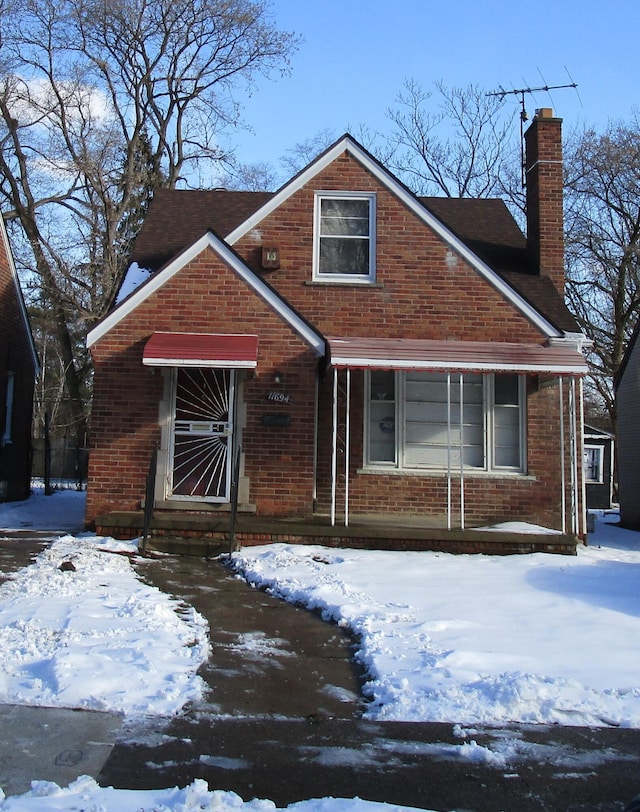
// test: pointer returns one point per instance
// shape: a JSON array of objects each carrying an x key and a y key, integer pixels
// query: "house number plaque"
[{"x": 278, "y": 397}]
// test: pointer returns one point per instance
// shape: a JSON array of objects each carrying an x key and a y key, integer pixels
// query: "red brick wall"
[
  {"x": 422, "y": 289},
  {"x": 15, "y": 356},
  {"x": 204, "y": 297}
]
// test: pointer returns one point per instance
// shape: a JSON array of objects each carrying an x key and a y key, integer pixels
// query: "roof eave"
[{"x": 308, "y": 334}]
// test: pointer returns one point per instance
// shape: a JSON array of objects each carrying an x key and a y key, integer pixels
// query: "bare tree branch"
[{"x": 101, "y": 102}]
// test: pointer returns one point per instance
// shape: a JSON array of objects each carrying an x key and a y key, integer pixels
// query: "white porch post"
[
  {"x": 461, "y": 451},
  {"x": 581, "y": 458},
  {"x": 347, "y": 446},
  {"x": 314, "y": 494},
  {"x": 574, "y": 452},
  {"x": 334, "y": 447},
  {"x": 448, "y": 451},
  {"x": 563, "y": 475}
]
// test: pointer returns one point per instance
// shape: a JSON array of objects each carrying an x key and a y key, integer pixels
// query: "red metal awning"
[
  {"x": 201, "y": 350},
  {"x": 458, "y": 356}
]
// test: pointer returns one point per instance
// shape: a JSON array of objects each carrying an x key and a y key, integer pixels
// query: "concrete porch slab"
[{"x": 207, "y": 534}]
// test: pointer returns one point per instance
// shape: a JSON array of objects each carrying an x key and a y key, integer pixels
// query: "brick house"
[
  {"x": 627, "y": 389},
  {"x": 365, "y": 353},
  {"x": 18, "y": 369}
]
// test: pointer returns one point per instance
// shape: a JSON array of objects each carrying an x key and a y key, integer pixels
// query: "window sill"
[
  {"x": 455, "y": 474},
  {"x": 342, "y": 283}
]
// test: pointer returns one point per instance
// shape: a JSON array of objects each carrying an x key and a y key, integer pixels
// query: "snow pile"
[
  {"x": 85, "y": 793},
  {"x": 78, "y": 629},
  {"x": 480, "y": 639}
]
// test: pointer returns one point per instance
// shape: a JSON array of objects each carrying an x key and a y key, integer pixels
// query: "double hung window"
[
  {"x": 344, "y": 245},
  {"x": 435, "y": 421},
  {"x": 593, "y": 458}
]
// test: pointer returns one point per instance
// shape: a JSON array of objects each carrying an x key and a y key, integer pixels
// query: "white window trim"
[
  {"x": 488, "y": 410},
  {"x": 489, "y": 381},
  {"x": 357, "y": 279},
  {"x": 600, "y": 479},
  {"x": 8, "y": 415}
]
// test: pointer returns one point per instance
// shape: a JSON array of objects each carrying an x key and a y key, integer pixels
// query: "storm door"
[{"x": 203, "y": 434}]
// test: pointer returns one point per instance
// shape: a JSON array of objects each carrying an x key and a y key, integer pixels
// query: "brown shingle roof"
[
  {"x": 177, "y": 218},
  {"x": 487, "y": 227}
]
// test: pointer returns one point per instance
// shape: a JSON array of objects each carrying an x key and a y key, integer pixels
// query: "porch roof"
[
  {"x": 201, "y": 350},
  {"x": 458, "y": 356}
]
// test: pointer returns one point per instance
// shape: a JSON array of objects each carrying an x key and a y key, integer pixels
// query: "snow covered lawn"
[
  {"x": 480, "y": 639},
  {"x": 465, "y": 639},
  {"x": 78, "y": 629}
]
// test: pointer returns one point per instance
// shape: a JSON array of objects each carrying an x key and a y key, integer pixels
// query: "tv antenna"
[{"x": 524, "y": 116}]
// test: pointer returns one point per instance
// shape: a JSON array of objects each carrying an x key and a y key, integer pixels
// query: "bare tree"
[
  {"x": 101, "y": 102},
  {"x": 454, "y": 142},
  {"x": 602, "y": 193}
]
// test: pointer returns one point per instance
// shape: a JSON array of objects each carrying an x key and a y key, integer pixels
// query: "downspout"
[
  {"x": 583, "y": 485},
  {"x": 461, "y": 451},
  {"x": 574, "y": 461},
  {"x": 334, "y": 447},
  {"x": 347, "y": 446},
  {"x": 314, "y": 492},
  {"x": 563, "y": 474},
  {"x": 448, "y": 451}
]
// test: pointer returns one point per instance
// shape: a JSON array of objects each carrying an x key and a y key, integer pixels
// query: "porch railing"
[
  {"x": 149, "y": 498},
  {"x": 235, "y": 481}
]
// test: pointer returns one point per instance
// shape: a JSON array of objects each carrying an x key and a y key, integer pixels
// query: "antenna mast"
[{"x": 524, "y": 116}]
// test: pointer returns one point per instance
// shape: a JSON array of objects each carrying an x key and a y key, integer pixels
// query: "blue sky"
[{"x": 356, "y": 54}]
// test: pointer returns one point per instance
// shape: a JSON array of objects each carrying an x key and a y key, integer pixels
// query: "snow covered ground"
[
  {"x": 465, "y": 639},
  {"x": 481, "y": 639}
]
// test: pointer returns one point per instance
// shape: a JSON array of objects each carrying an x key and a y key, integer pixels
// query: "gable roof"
[
  {"x": 487, "y": 227},
  {"x": 483, "y": 231},
  {"x": 259, "y": 286},
  {"x": 177, "y": 218}
]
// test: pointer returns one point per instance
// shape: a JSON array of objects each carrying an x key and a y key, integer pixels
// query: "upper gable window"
[{"x": 344, "y": 237}]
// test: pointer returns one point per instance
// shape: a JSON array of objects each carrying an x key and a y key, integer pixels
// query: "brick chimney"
[{"x": 543, "y": 168}]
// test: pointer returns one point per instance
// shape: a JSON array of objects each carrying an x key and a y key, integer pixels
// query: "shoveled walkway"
[{"x": 268, "y": 658}]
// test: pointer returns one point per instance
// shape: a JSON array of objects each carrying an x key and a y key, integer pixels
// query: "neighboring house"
[
  {"x": 598, "y": 467},
  {"x": 627, "y": 389},
  {"x": 18, "y": 370},
  {"x": 369, "y": 354}
]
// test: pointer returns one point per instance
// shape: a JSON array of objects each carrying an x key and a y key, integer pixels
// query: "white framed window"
[
  {"x": 8, "y": 410},
  {"x": 344, "y": 237},
  {"x": 429, "y": 420},
  {"x": 593, "y": 463}
]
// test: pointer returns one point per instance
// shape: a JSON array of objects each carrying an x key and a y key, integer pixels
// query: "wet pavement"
[
  {"x": 283, "y": 719},
  {"x": 268, "y": 658},
  {"x": 415, "y": 765},
  {"x": 18, "y": 548}
]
